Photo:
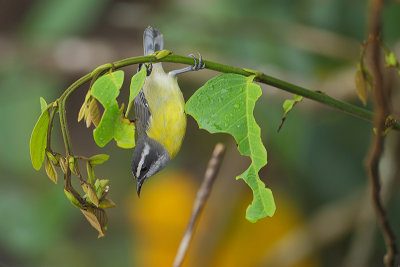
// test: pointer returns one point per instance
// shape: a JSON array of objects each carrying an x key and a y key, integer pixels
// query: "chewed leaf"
[
  {"x": 38, "y": 140},
  {"x": 112, "y": 124},
  {"x": 106, "y": 88},
  {"x": 225, "y": 104},
  {"x": 124, "y": 134}
]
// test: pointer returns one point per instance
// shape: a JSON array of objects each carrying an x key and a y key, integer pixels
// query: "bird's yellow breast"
[{"x": 167, "y": 108}]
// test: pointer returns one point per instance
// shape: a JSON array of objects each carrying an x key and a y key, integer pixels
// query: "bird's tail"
[{"x": 152, "y": 41}]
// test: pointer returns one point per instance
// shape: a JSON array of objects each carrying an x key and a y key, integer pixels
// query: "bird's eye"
[{"x": 144, "y": 169}]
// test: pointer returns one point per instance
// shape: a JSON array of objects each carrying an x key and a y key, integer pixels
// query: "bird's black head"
[{"x": 149, "y": 157}]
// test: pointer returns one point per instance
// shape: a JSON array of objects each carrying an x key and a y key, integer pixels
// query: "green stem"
[
  {"x": 49, "y": 129},
  {"x": 63, "y": 118},
  {"x": 260, "y": 77}
]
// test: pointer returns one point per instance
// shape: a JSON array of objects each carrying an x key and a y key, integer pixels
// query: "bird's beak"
[{"x": 139, "y": 183}]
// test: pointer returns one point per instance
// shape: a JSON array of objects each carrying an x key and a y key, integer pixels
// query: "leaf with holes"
[
  {"x": 225, "y": 104},
  {"x": 112, "y": 124}
]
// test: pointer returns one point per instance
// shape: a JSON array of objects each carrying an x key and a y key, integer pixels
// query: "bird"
[{"x": 160, "y": 113}]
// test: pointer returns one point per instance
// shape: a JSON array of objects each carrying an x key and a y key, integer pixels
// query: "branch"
[
  {"x": 260, "y": 77},
  {"x": 381, "y": 106},
  {"x": 201, "y": 198}
]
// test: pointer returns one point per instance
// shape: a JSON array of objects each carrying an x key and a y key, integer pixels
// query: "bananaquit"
[{"x": 160, "y": 114}]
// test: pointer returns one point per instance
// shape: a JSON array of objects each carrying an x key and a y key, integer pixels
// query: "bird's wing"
[{"x": 142, "y": 112}]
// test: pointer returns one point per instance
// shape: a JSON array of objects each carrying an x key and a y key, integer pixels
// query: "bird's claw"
[{"x": 198, "y": 64}]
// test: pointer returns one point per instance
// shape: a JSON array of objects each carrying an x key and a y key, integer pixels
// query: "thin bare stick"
[
  {"x": 381, "y": 107},
  {"x": 201, "y": 198}
]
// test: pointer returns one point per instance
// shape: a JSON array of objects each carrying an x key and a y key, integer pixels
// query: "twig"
[
  {"x": 262, "y": 78},
  {"x": 201, "y": 197},
  {"x": 381, "y": 107},
  {"x": 364, "y": 233}
]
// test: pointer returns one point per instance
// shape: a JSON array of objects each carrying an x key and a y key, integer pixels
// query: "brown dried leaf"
[
  {"x": 88, "y": 120},
  {"x": 97, "y": 218},
  {"x": 63, "y": 164},
  {"x": 94, "y": 112},
  {"x": 361, "y": 87},
  {"x": 84, "y": 108},
  {"x": 82, "y": 112}
]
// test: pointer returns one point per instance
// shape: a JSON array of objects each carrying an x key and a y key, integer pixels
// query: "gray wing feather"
[
  {"x": 152, "y": 41},
  {"x": 142, "y": 112}
]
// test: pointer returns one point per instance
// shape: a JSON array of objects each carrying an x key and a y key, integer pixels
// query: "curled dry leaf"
[
  {"x": 361, "y": 87},
  {"x": 97, "y": 218},
  {"x": 94, "y": 112},
  {"x": 63, "y": 164}
]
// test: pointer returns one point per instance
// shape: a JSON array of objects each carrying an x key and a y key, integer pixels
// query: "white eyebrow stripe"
[
  {"x": 145, "y": 152},
  {"x": 155, "y": 166}
]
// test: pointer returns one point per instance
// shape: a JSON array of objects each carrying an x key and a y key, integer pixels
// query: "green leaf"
[
  {"x": 73, "y": 165},
  {"x": 90, "y": 173},
  {"x": 225, "y": 104},
  {"x": 101, "y": 187},
  {"x": 43, "y": 104},
  {"x": 112, "y": 124},
  {"x": 137, "y": 82},
  {"x": 50, "y": 170},
  {"x": 107, "y": 203},
  {"x": 98, "y": 159},
  {"x": 162, "y": 53},
  {"x": 288, "y": 104},
  {"x": 391, "y": 60},
  {"x": 38, "y": 140},
  {"x": 71, "y": 198},
  {"x": 52, "y": 158}
]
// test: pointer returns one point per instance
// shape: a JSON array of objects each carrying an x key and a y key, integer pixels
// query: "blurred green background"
[{"x": 316, "y": 162}]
